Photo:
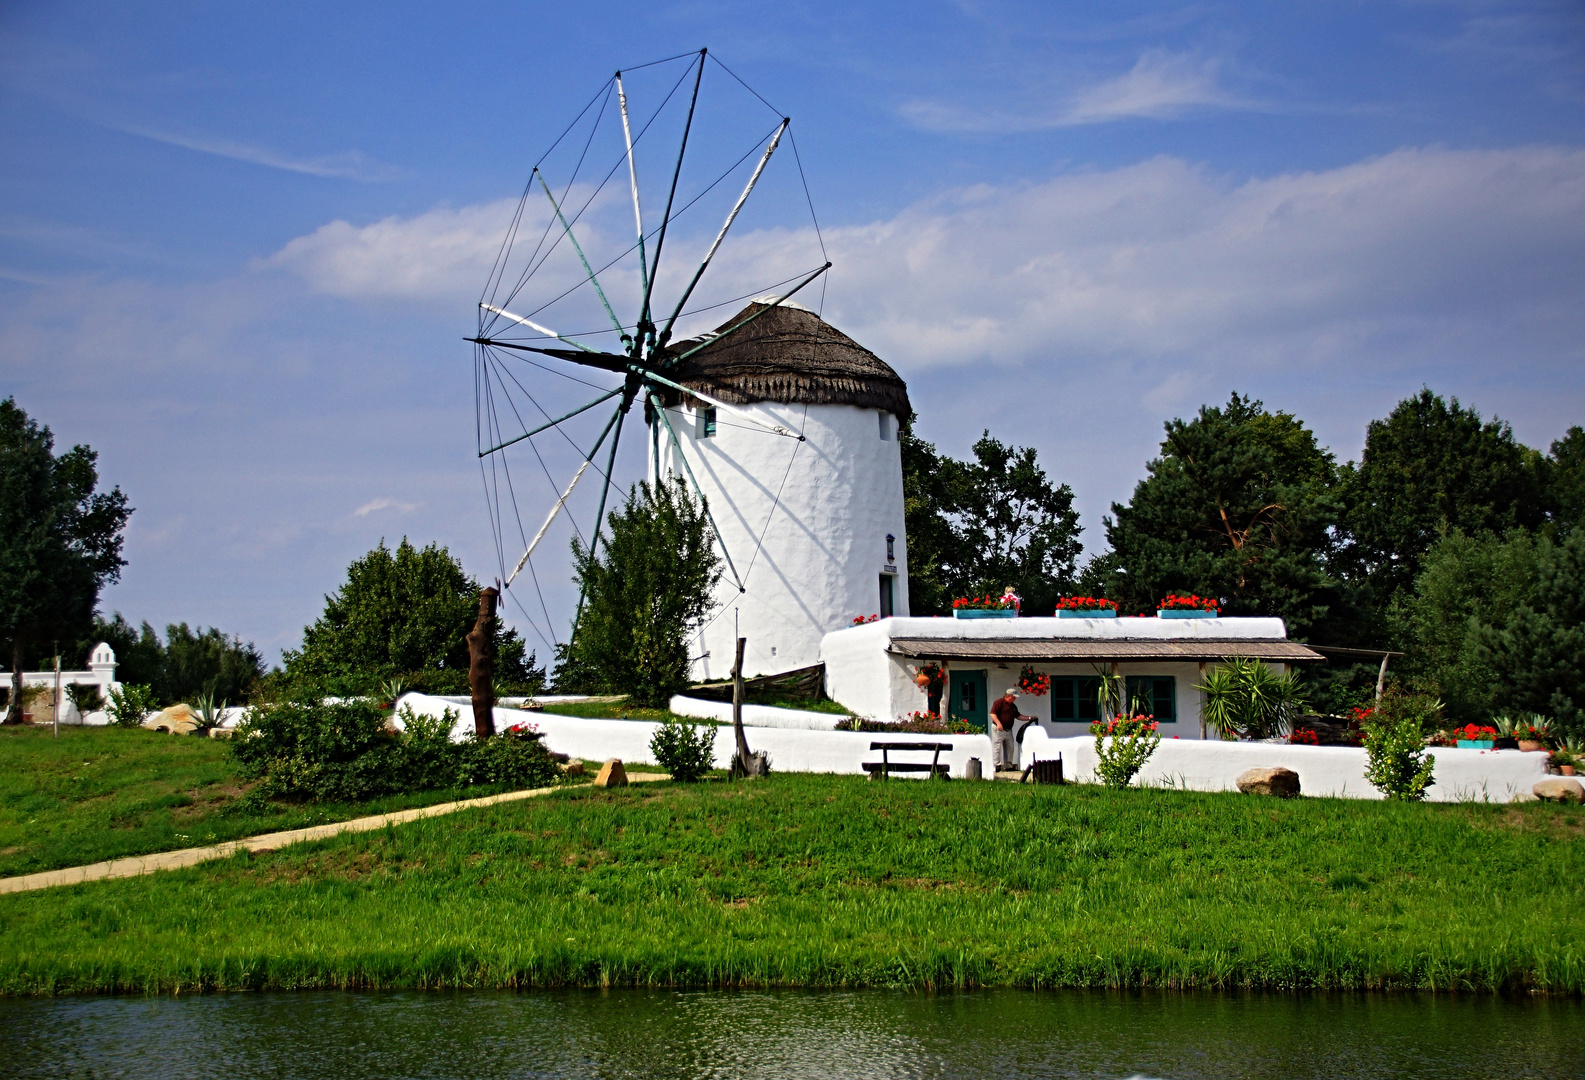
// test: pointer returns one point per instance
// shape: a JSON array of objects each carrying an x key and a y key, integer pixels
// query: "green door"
[{"x": 968, "y": 697}]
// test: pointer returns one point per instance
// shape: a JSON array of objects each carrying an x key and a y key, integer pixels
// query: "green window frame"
[
  {"x": 707, "y": 423},
  {"x": 1160, "y": 690},
  {"x": 1074, "y": 699}
]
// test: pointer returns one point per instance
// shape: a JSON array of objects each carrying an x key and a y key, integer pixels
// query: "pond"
[{"x": 647, "y": 1033}]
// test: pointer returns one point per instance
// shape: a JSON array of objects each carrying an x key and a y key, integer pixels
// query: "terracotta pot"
[
  {"x": 922, "y": 679},
  {"x": 1566, "y": 770},
  {"x": 1530, "y": 745}
]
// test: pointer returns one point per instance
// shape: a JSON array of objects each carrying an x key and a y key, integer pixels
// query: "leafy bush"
[
  {"x": 86, "y": 697},
  {"x": 684, "y": 749},
  {"x": 1122, "y": 746},
  {"x": 1395, "y": 733},
  {"x": 517, "y": 759},
  {"x": 130, "y": 704},
  {"x": 920, "y": 723}
]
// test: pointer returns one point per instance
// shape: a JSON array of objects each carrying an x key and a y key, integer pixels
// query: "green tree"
[
  {"x": 404, "y": 612},
  {"x": 1534, "y": 652},
  {"x": 976, "y": 527},
  {"x": 1239, "y": 506},
  {"x": 1566, "y": 479},
  {"x": 60, "y": 539},
  {"x": 647, "y": 593},
  {"x": 188, "y": 663},
  {"x": 1431, "y": 467}
]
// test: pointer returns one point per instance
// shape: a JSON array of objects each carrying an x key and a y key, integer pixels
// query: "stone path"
[{"x": 137, "y": 865}]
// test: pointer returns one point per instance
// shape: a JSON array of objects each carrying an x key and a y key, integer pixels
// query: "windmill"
[{"x": 575, "y": 268}]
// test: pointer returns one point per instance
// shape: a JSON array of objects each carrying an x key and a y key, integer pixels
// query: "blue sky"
[{"x": 239, "y": 245}]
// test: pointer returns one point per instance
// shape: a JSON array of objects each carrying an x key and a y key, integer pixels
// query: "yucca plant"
[
  {"x": 1246, "y": 699},
  {"x": 210, "y": 713}
]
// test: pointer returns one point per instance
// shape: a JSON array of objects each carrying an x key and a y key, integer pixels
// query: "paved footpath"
[{"x": 176, "y": 860}]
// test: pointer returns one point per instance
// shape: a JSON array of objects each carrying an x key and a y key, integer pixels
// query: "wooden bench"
[{"x": 886, "y": 766}]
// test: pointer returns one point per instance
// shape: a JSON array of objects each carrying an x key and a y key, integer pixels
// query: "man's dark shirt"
[{"x": 1006, "y": 713}]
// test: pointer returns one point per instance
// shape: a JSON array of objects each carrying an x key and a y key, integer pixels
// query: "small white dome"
[{"x": 102, "y": 654}]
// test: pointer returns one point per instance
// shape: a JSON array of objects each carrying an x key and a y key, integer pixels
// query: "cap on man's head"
[{"x": 1012, "y": 691}]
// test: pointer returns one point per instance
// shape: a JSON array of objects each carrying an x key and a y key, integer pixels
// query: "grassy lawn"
[
  {"x": 105, "y": 793},
  {"x": 833, "y": 881}
]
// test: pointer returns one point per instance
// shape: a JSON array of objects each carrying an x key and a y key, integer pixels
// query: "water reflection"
[{"x": 635, "y": 1033}]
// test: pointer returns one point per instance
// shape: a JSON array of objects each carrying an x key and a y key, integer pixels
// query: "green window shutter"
[{"x": 1158, "y": 693}]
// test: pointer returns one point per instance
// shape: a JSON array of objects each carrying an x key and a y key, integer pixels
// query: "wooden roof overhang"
[{"x": 1058, "y": 650}]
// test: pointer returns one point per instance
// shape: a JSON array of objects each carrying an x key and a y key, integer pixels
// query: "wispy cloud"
[
  {"x": 349, "y": 165},
  {"x": 382, "y": 503},
  {"x": 1160, "y": 86}
]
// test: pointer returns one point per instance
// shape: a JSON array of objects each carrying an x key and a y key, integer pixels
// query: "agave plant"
[
  {"x": 391, "y": 690},
  {"x": 1245, "y": 698},
  {"x": 210, "y": 713}
]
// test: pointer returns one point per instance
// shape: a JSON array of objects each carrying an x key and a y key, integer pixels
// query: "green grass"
[
  {"x": 106, "y": 793},
  {"x": 833, "y": 881}
]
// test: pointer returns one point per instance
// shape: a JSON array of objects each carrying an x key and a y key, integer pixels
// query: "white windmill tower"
[
  {"x": 784, "y": 426},
  {"x": 815, "y": 533}
]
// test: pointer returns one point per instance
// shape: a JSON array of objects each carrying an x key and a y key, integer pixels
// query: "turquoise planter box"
[
  {"x": 1476, "y": 744},
  {"x": 1186, "y": 613},
  {"x": 1098, "y": 613},
  {"x": 970, "y": 613}
]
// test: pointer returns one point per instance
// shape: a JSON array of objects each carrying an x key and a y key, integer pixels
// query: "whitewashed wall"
[
  {"x": 1461, "y": 775},
  {"x": 824, "y": 508}
]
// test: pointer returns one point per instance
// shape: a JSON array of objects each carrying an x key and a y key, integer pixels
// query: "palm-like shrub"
[{"x": 1246, "y": 699}]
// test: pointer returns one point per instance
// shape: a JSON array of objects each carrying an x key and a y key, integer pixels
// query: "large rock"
[
  {"x": 1560, "y": 789},
  {"x": 611, "y": 774},
  {"x": 177, "y": 720},
  {"x": 1284, "y": 783}
]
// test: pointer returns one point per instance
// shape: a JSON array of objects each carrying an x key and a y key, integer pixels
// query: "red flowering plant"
[
  {"x": 1086, "y": 603},
  {"x": 1174, "y": 602},
  {"x": 1304, "y": 737},
  {"x": 1122, "y": 746},
  {"x": 1474, "y": 733},
  {"x": 1033, "y": 682},
  {"x": 860, "y": 620},
  {"x": 983, "y": 603}
]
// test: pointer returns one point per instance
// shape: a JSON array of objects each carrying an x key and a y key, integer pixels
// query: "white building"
[
  {"x": 871, "y": 669},
  {"x": 100, "y": 673},
  {"x": 814, "y": 526}
]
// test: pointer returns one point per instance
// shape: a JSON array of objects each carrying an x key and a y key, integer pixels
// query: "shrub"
[
  {"x": 918, "y": 722},
  {"x": 1395, "y": 731},
  {"x": 515, "y": 759},
  {"x": 1122, "y": 746},
  {"x": 130, "y": 704},
  {"x": 1245, "y": 698},
  {"x": 684, "y": 749},
  {"x": 86, "y": 697}
]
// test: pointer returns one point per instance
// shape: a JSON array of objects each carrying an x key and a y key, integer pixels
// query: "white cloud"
[
  {"x": 348, "y": 165},
  {"x": 383, "y": 503},
  {"x": 1160, "y": 86}
]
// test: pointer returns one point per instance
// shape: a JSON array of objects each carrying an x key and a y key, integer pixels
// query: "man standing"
[{"x": 1005, "y": 716}]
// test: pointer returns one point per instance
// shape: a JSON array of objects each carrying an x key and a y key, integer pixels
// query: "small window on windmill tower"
[
  {"x": 886, "y": 426},
  {"x": 707, "y": 422}
]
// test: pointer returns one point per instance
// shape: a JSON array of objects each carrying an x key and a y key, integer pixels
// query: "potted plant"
[
  {"x": 1532, "y": 734},
  {"x": 1187, "y": 607},
  {"x": 1086, "y": 607},
  {"x": 984, "y": 607},
  {"x": 1475, "y": 737}
]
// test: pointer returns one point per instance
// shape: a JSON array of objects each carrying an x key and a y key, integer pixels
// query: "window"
[
  {"x": 886, "y": 595},
  {"x": 891, "y": 550},
  {"x": 886, "y": 426},
  {"x": 1073, "y": 698},
  {"x": 1158, "y": 693},
  {"x": 707, "y": 423}
]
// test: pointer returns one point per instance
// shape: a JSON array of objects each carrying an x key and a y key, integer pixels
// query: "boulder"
[
  {"x": 1283, "y": 783},
  {"x": 611, "y": 774},
  {"x": 1559, "y": 789},
  {"x": 177, "y": 720}
]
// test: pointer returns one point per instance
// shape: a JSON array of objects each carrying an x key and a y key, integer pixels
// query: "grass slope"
[
  {"x": 833, "y": 881},
  {"x": 105, "y": 793}
]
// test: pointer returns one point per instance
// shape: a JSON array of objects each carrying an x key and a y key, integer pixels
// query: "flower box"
[
  {"x": 1184, "y": 613},
  {"x": 1092, "y": 613},
  {"x": 1476, "y": 744},
  {"x": 985, "y": 613}
]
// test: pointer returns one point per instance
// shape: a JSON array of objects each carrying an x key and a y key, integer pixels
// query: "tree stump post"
[
  {"x": 481, "y": 664},
  {"x": 751, "y": 764}
]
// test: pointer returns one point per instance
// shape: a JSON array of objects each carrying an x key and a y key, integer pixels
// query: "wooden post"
[
  {"x": 737, "y": 712},
  {"x": 481, "y": 664},
  {"x": 57, "y": 709},
  {"x": 1381, "y": 676}
]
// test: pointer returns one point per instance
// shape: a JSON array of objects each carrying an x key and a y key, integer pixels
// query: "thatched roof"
[{"x": 789, "y": 354}]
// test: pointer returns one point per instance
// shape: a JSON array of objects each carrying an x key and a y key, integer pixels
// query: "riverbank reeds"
[{"x": 835, "y": 881}]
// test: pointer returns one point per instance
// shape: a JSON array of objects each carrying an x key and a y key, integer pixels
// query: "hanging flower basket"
[
  {"x": 1086, "y": 607},
  {"x": 1187, "y": 607},
  {"x": 1033, "y": 682}
]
